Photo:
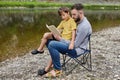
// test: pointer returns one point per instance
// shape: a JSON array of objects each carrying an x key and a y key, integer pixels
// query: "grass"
[
  {"x": 32, "y": 4},
  {"x": 103, "y": 7},
  {"x": 54, "y": 4}
]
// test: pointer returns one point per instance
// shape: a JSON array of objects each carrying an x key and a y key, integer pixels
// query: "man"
[{"x": 80, "y": 43}]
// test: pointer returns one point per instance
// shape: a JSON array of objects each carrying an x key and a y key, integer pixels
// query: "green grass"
[
  {"x": 32, "y": 4},
  {"x": 103, "y": 7},
  {"x": 54, "y": 4}
]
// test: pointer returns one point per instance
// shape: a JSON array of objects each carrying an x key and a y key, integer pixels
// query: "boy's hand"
[
  {"x": 57, "y": 37},
  {"x": 71, "y": 46}
]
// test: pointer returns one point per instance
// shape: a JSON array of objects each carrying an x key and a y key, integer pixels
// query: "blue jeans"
[{"x": 57, "y": 47}]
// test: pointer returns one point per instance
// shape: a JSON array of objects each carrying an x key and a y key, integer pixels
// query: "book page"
[{"x": 53, "y": 29}]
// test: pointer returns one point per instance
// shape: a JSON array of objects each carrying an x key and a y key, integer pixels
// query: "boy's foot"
[
  {"x": 36, "y": 52},
  {"x": 41, "y": 72}
]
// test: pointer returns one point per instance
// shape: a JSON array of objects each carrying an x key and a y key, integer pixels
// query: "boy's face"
[{"x": 64, "y": 15}]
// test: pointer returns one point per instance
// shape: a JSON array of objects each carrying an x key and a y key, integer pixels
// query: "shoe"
[
  {"x": 41, "y": 72},
  {"x": 36, "y": 52}
]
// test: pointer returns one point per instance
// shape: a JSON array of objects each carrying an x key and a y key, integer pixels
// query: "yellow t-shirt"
[{"x": 67, "y": 28}]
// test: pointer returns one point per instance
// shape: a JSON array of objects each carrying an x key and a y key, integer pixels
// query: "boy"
[{"x": 67, "y": 26}]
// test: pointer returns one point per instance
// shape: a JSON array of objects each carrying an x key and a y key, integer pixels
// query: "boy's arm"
[
  {"x": 71, "y": 46},
  {"x": 57, "y": 37}
]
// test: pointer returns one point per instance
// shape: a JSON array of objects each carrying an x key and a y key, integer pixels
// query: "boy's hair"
[
  {"x": 77, "y": 6},
  {"x": 63, "y": 9}
]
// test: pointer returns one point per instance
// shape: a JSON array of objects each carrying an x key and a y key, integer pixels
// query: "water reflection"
[
  {"x": 21, "y": 31},
  {"x": 103, "y": 19}
]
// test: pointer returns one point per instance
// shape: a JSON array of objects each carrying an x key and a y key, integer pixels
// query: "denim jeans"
[{"x": 57, "y": 47}]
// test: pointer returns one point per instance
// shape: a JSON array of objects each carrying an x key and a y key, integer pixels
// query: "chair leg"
[
  {"x": 85, "y": 62},
  {"x": 88, "y": 61},
  {"x": 71, "y": 69},
  {"x": 65, "y": 62}
]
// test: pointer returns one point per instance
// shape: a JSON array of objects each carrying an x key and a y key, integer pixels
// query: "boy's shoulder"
[{"x": 71, "y": 20}]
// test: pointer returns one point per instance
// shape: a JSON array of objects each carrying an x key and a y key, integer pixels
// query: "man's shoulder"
[
  {"x": 85, "y": 22},
  {"x": 84, "y": 25}
]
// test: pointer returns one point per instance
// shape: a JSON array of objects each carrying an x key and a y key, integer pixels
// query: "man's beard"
[{"x": 77, "y": 20}]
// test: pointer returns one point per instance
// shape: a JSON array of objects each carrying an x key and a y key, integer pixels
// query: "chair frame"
[{"x": 83, "y": 60}]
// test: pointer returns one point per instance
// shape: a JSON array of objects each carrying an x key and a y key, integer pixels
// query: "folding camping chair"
[{"x": 84, "y": 59}]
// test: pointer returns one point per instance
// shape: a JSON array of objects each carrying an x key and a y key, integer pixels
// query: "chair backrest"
[
  {"x": 89, "y": 41},
  {"x": 89, "y": 44}
]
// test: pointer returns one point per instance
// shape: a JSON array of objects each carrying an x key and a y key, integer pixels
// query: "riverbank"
[
  {"x": 14, "y": 4},
  {"x": 105, "y": 61}
]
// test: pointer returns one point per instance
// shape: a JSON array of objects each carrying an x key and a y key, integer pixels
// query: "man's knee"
[{"x": 52, "y": 43}]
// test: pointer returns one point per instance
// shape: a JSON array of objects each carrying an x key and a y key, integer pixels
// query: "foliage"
[{"x": 32, "y": 4}]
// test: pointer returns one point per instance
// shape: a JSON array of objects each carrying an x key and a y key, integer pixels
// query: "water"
[{"x": 21, "y": 30}]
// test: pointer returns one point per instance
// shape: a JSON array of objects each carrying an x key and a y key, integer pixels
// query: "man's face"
[{"x": 76, "y": 15}]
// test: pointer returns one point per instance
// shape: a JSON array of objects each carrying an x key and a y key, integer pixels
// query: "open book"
[{"x": 53, "y": 29}]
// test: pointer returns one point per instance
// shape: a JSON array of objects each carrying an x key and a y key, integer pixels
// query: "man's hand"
[{"x": 71, "y": 46}]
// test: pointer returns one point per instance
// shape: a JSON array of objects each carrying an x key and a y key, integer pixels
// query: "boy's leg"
[
  {"x": 49, "y": 65},
  {"x": 46, "y": 69},
  {"x": 44, "y": 39}
]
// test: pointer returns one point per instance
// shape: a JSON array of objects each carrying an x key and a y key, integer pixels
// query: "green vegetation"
[
  {"x": 33, "y": 4},
  {"x": 100, "y": 6}
]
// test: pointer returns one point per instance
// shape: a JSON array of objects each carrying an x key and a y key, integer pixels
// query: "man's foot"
[
  {"x": 36, "y": 52},
  {"x": 54, "y": 73}
]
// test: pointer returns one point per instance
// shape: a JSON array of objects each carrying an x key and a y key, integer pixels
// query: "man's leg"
[{"x": 57, "y": 47}]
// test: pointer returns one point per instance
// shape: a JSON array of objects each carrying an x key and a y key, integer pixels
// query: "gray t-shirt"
[{"x": 82, "y": 31}]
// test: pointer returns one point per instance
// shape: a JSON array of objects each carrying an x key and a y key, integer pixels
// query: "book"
[{"x": 53, "y": 29}]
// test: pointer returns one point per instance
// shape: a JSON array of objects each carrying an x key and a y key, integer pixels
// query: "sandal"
[
  {"x": 36, "y": 52},
  {"x": 41, "y": 72},
  {"x": 53, "y": 73}
]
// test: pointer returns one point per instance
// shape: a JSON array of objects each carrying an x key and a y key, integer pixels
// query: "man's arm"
[{"x": 81, "y": 34}]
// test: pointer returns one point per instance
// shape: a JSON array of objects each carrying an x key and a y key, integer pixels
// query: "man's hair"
[
  {"x": 63, "y": 9},
  {"x": 77, "y": 6}
]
